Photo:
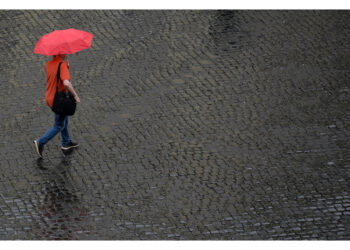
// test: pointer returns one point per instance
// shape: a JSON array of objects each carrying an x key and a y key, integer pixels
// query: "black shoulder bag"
[{"x": 63, "y": 103}]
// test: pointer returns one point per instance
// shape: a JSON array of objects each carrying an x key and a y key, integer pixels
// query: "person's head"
[{"x": 61, "y": 56}]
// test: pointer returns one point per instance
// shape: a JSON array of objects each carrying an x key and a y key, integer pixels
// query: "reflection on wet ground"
[{"x": 59, "y": 211}]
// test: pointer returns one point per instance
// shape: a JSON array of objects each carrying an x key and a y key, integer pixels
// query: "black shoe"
[
  {"x": 70, "y": 145},
  {"x": 38, "y": 148}
]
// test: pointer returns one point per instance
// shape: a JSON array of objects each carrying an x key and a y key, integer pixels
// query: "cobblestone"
[{"x": 192, "y": 125}]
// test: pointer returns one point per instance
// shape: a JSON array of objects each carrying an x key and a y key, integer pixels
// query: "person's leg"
[
  {"x": 66, "y": 141},
  {"x": 64, "y": 133},
  {"x": 52, "y": 132}
]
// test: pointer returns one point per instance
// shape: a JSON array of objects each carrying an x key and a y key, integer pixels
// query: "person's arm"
[
  {"x": 67, "y": 62},
  {"x": 70, "y": 88}
]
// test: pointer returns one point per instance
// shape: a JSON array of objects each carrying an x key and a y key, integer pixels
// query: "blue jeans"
[{"x": 61, "y": 125}]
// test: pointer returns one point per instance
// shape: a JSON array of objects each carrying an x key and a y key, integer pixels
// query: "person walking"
[
  {"x": 60, "y": 121},
  {"x": 58, "y": 44}
]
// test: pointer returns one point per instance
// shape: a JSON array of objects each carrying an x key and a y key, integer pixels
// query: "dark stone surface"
[{"x": 192, "y": 125}]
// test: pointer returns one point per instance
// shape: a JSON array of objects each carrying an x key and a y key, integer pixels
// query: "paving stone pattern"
[{"x": 193, "y": 125}]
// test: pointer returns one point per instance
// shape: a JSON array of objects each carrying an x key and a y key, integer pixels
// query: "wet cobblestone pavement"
[{"x": 192, "y": 125}]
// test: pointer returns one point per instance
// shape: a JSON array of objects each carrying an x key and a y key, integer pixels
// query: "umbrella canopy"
[{"x": 67, "y": 41}]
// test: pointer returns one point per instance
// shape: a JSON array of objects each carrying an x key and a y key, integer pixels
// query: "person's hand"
[{"x": 77, "y": 100}]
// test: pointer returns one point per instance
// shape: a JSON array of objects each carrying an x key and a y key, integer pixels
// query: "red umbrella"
[{"x": 67, "y": 41}]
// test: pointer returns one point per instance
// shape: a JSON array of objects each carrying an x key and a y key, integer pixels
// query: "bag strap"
[{"x": 58, "y": 75}]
